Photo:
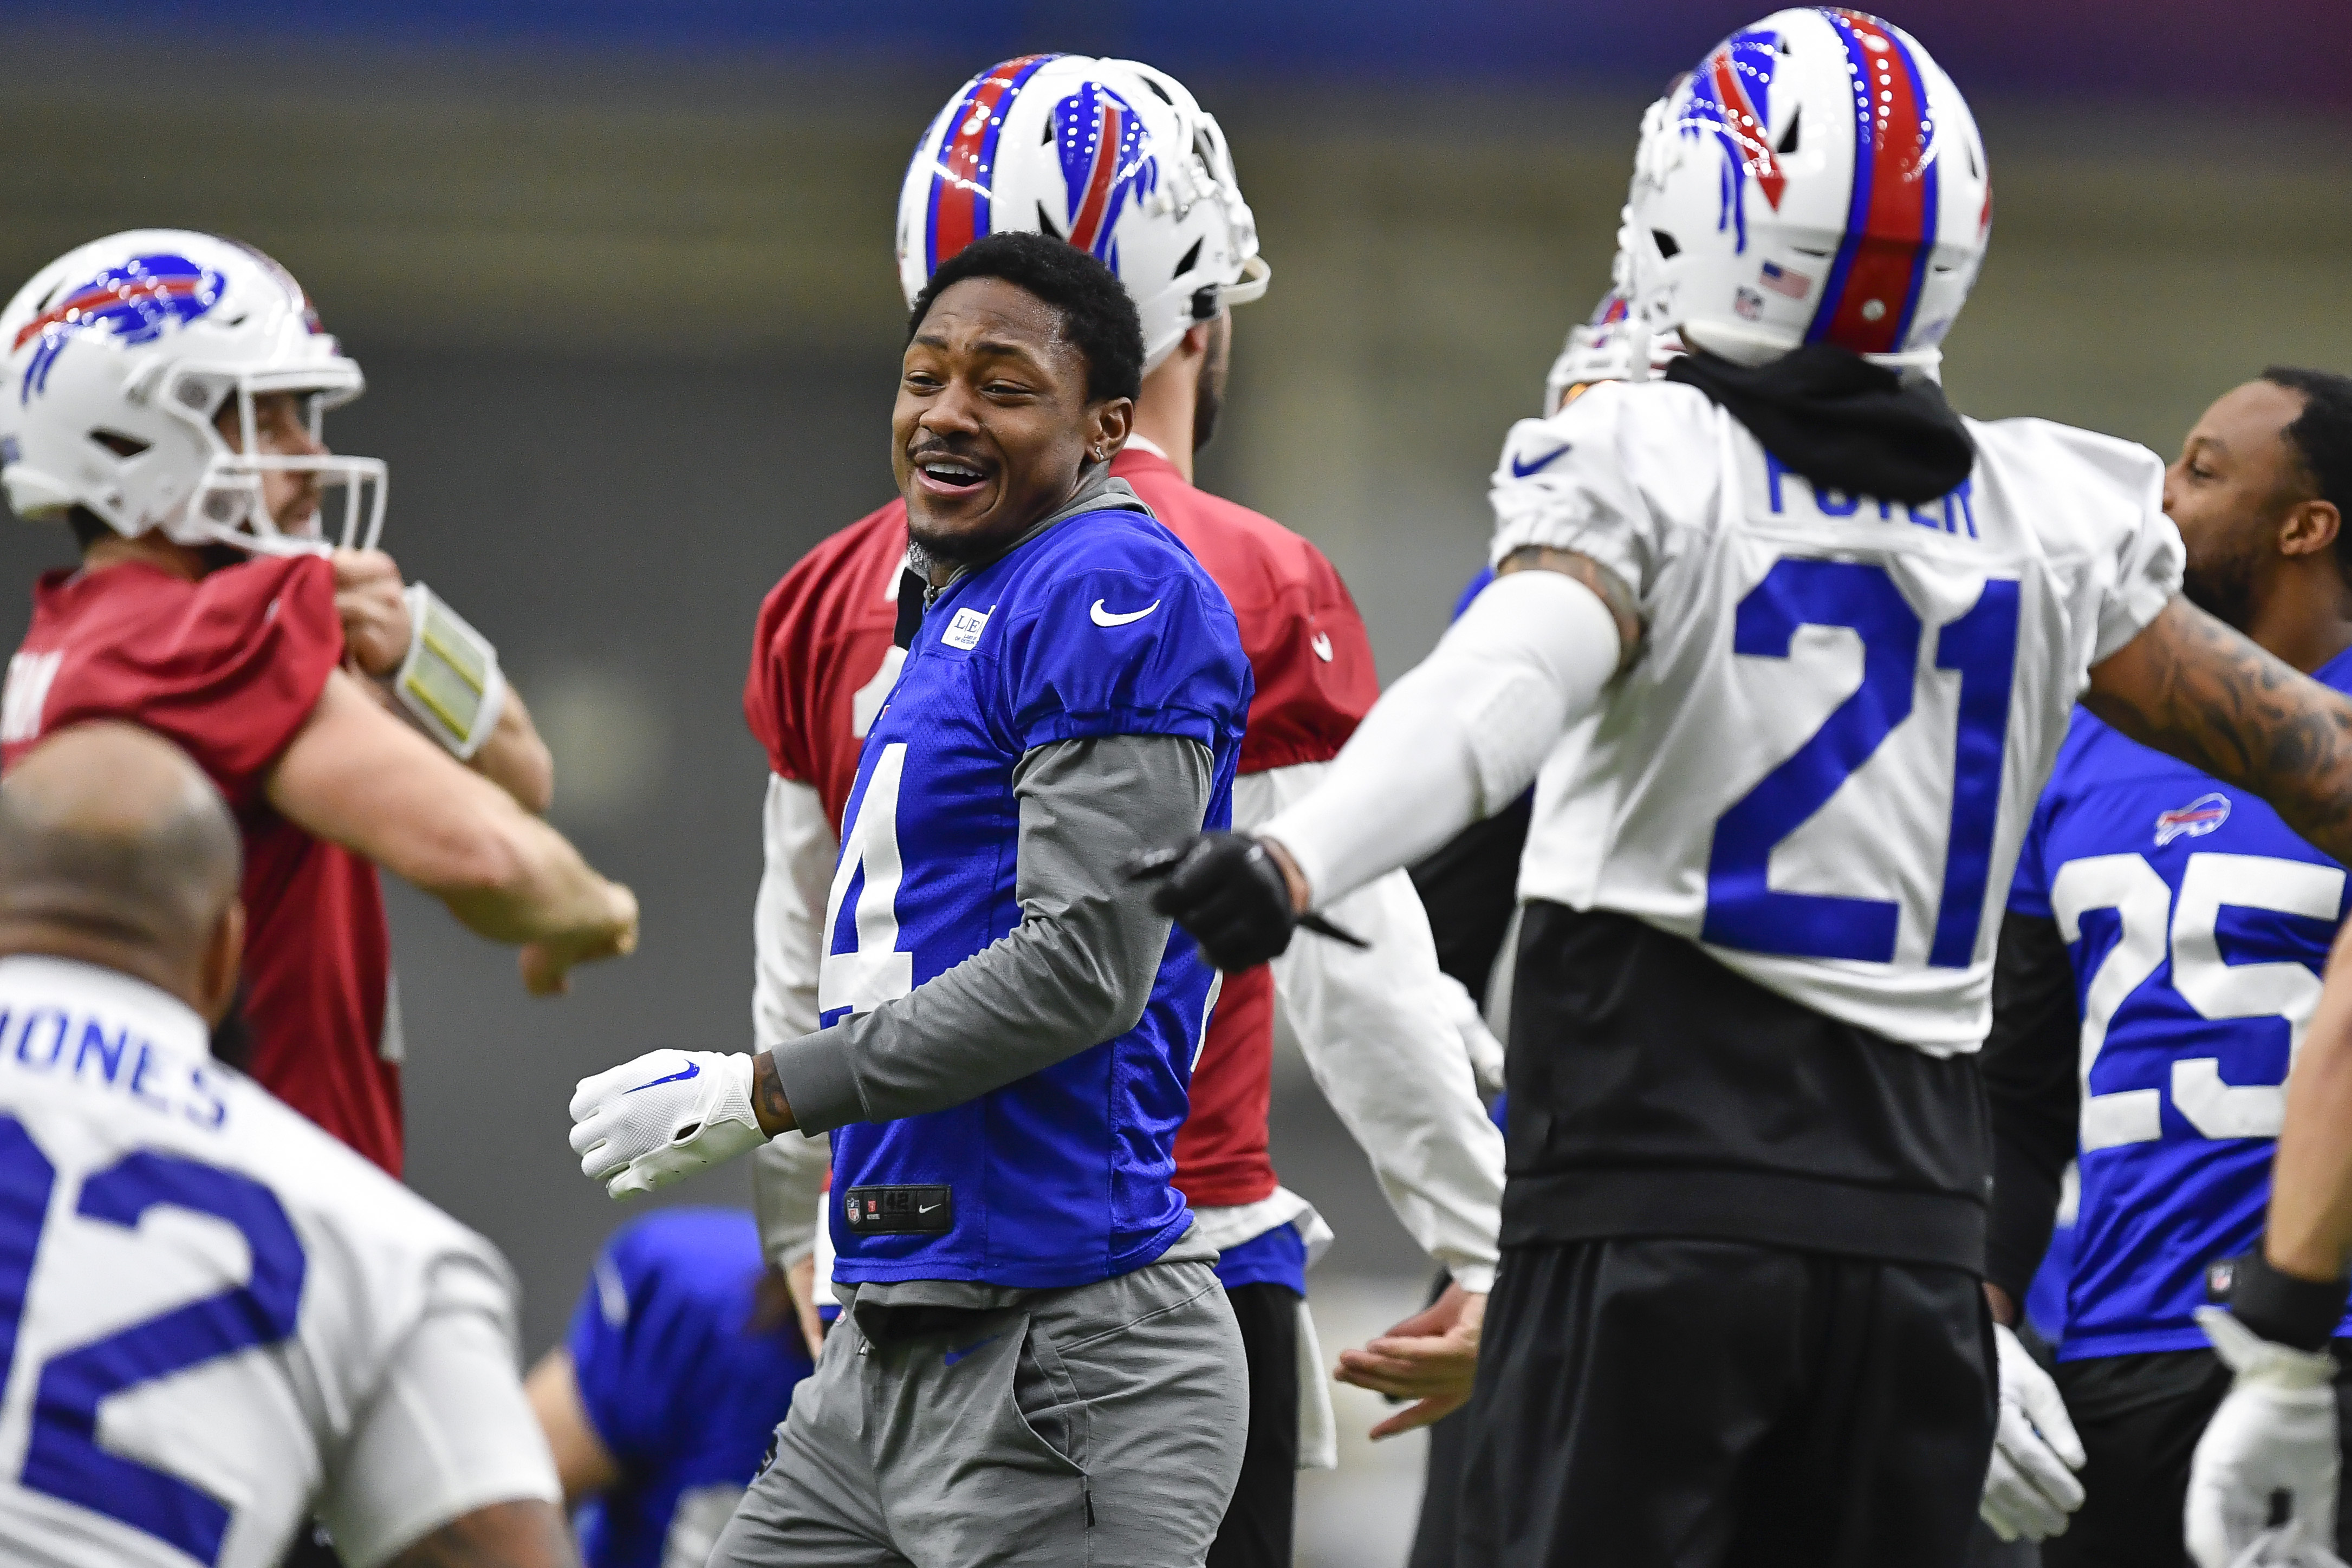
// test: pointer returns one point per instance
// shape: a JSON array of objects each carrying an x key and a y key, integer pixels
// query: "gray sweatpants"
[{"x": 1100, "y": 1425}]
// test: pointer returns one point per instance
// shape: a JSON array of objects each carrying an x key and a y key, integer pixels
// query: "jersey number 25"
[{"x": 2217, "y": 989}]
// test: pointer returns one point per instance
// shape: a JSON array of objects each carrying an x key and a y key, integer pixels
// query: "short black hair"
[
  {"x": 2322, "y": 436},
  {"x": 1097, "y": 315}
]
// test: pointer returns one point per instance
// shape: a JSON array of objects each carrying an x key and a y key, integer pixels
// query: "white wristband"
[{"x": 450, "y": 681}]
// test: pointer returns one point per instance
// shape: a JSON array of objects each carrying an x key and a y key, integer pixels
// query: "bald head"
[{"x": 115, "y": 848}]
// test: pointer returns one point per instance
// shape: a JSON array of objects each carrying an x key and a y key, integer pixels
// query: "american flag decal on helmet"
[
  {"x": 967, "y": 163},
  {"x": 1873, "y": 289},
  {"x": 2194, "y": 821}
]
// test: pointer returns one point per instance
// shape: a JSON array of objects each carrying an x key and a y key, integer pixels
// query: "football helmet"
[
  {"x": 1111, "y": 156},
  {"x": 121, "y": 354},
  {"x": 1817, "y": 179}
]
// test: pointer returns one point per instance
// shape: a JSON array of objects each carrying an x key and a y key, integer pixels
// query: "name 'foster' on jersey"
[{"x": 1822, "y": 766}]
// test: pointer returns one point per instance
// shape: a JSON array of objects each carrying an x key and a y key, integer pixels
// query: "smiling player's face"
[
  {"x": 992, "y": 428},
  {"x": 2235, "y": 477}
]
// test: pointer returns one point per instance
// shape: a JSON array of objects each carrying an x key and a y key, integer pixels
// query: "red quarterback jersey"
[
  {"x": 228, "y": 668},
  {"x": 822, "y": 662}
]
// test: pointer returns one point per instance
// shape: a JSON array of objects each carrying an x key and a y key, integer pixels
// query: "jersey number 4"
[
  {"x": 1743, "y": 910},
  {"x": 874, "y": 971},
  {"x": 2215, "y": 988},
  {"x": 62, "y": 1457}
]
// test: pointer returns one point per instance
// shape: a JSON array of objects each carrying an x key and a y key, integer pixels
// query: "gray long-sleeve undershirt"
[{"x": 1076, "y": 971}]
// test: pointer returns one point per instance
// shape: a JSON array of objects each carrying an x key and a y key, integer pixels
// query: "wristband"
[
  {"x": 2281, "y": 1308},
  {"x": 450, "y": 682}
]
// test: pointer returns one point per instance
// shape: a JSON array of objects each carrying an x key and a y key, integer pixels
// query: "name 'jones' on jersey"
[{"x": 1821, "y": 766}]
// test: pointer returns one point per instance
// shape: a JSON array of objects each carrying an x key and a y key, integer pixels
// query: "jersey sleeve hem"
[{"x": 1183, "y": 724}]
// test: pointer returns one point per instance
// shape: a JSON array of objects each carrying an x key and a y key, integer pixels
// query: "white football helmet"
[
  {"x": 1611, "y": 345},
  {"x": 1817, "y": 179},
  {"x": 1111, "y": 156},
  {"x": 121, "y": 354}
]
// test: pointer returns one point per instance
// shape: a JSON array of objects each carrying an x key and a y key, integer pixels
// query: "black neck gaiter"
[{"x": 1845, "y": 424}]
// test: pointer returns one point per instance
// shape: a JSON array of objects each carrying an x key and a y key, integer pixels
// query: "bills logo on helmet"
[
  {"x": 1106, "y": 158},
  {"x": 2194, "y": 821},
  {"x": 1874, "y": 282},
  {"x": 960, "y": 181},
  {"x": 134, "y": 302},
  {"x": 1731, "y": 99}
]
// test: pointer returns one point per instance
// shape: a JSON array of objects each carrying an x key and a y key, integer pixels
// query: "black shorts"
[
  {"x": 2139, "y": 1417},
  {"x": 1662, "y": 1403},
  {"x": 1256, "y": 1531}
]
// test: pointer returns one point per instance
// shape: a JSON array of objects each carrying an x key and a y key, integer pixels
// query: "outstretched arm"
[{"x": 2190, "y": 686}]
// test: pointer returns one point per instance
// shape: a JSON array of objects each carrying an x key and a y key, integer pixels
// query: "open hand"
[{"x": 1432, "y": 1358}]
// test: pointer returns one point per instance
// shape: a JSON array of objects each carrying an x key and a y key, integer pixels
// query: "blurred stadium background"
[{"x": 620, "y": 274}]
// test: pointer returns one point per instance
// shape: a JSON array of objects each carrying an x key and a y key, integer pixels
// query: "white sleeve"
[
  {"x": 1565, "y": 483},
  {"x": 2147, "y": 568},
  {"x": 788, "y": 1173},
  {"x": 447, "y": 1432},
  {"x": 1460, "y": 737},
  {"x": 787, "y": 1194},
  {"x": 1380, "y": 1032},
  {"x": 785, "y": 921}
]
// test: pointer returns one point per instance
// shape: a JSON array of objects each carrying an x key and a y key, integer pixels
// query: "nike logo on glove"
[
  {"x": 1521, "y": 470},
  {"x": 1105, "y": 618},
  {"x": 692, "y": 1069}
]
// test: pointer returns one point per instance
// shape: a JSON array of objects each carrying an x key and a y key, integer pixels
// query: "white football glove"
[
  {"x": 2274, "y": 1433},
  {"x": 2030, "y": 1488},
  {"x": 647, "y": 1122}
]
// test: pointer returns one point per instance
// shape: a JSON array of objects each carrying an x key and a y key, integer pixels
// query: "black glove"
[{"x": 1230, "y": 896}]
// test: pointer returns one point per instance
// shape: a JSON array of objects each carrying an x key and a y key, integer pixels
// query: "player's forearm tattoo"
[
  {"x": 2191, "y": 686},
  {"x": 767, "y": 1101},
  {"x": 1614, "y": 594}
]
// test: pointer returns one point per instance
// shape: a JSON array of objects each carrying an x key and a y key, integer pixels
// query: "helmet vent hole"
[
  {"x": 121, "y": 445},
  {"x": 1046, "y": 224},
  {"x": 1191, "y": 257},
  {"x": 1047, "y": 139},
  {"x": 1153, "y": 83},
  {"x": 1667, "y": 248},
  {"x": 1789, "y": 139}
]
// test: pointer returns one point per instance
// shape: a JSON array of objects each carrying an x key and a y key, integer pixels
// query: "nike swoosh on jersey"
[
  {"x": 1105, "y": 618},
  {"x": 692, "y": 1070},
  {"x": 1321, "y": 644},
  {"x": 1521, "y": 470},
  {"x": 927, "y": 1207}
]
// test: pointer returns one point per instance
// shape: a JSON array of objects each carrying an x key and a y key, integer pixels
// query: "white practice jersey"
[
  {"x": 1822, "y": 766},
  {"x": 215, "y": 1320}
]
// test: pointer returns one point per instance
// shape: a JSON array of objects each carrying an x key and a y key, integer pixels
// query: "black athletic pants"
[
  {"x": 1662, "y": 1403},
  {"x": 1256, "y": 1531},
  {"x": 2139, "y": 1417}
]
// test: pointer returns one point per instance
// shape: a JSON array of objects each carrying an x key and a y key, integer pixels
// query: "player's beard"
[
  {"x": 2223, "y": 587},
  {"x": 1210, "y": 399}
]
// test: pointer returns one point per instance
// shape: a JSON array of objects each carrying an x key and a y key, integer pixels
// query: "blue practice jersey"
[
  {"x": 1102, "y": 625},
  {"x": 682, "y": 1388},
  {"x": 2199, "y": 924}
]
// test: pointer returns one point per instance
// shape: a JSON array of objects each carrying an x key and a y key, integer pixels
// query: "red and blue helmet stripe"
[
  {"x": 1873, "y": 290},
  {"x": 959, "y": 207}
]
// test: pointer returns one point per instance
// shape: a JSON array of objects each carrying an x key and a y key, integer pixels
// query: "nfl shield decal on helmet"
[
  {"x": 2194, "y": 821},
  {"x": 133, "y": 302}
]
